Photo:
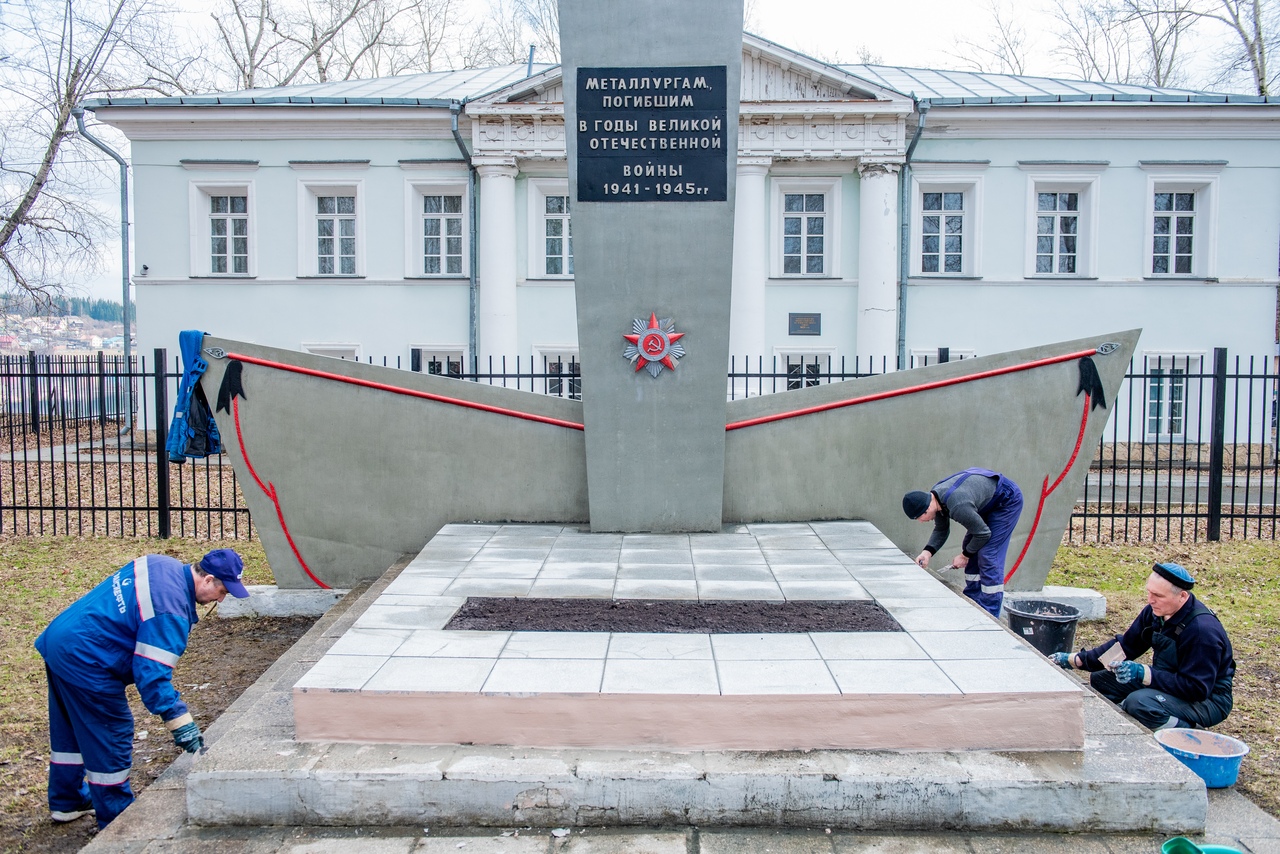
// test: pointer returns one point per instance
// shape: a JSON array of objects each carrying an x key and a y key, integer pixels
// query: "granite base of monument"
[{"x": 1104, "y": 774}]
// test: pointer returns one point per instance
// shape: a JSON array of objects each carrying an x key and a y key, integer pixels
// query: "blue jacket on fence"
[
  {"x": 131, "y": 628},
  {"x": 193, "y": 432}
]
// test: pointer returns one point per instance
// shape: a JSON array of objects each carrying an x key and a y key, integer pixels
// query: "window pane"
[
  {"x": 431, "y": 204},
  {"x": 814, "y": 202},
  {"x": 955, "y": 225},
  {"x": 931, "y": 224},
  {"x": 1186, "y": 225},
  {"x": 1067, "y": 245},
  {"x": 813, "y": 246},
  {"x": 433, "y": 246},
  {"x": 453, "y": 227},
  {"x": 219, "y": 263},
  {"x": 242, "y": 264},
  {"x": 791, "y": 225},
  {"x": 455, "y": 264},
  {"x": 1068, "y": 201},
  {"x": 1182, "y": 264},
  {"x": 932, "y": 201},
  {"x": 325, "y": 204},
  {"x": 453, "y": 245},
  {"x": 240, "y": 246},
  {"x": 348, "y": 245},
  {"x": 1067, "y": 264},
  {"x": 813, "y": 264},
  {"x": 346, "y": 204},
  {"x": 219, "y": 246},
  {"x": 792, "y": 202},
  {"x": 432, "y": 263},
  {"x": 1160, "y": 264},
  {"x": 929, "y": 243},
  {"x": 347, "y": 227},
  {"x": 326, "y": 266},
  {"x": 555, "y": 204},
  {"x": 554, "y": 247},
  {"x": 791, "y": 264},
  {"x": 1164, "y": 201},
  {"x": 1183, "y": 245},
  {"x": 325, "y": 246},
  {"x": 953, "y": 243},
  {"x": 1044, "y": 225},
  {"x": 791, "y": 245},
  {"x": 1068, "y": 224},
  {"x": 1162, "y": 225},
  {"x": 218, "y": 204},
  {"x": 1160, "y": 245},
  {"x": 555, "y": 228},
  {"x": 348, "y": 266},
  {"x": 953, "y": 201},
  {"x": 1046, "y": 201},
  {"x": 240, "y": 227},
  {"x": 453, "y": 204},
  {"x": 218, "y": 226},
  {"x": 1185, "y": 201},
  {"x": 954, "y": 264},
  {"x": 326, "y": 227},
  {"x": 929, "y": 264},
  {"x": 1044, "y": 263},
  {"x": 431, "y": 227},
  {"x": 814, "y": 224},
  {"x": 1044, "y": 244},
  {"x": 555, "y": 266}
]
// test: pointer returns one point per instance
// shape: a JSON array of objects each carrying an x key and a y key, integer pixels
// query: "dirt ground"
[
  {"x": 223, "y": 658},
  {"x": 481, "y": 613}
]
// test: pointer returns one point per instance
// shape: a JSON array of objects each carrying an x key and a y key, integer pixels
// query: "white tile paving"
[{"x": 949, "y": 646}]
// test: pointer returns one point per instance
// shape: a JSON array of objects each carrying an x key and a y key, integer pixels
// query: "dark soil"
[
  {"x": 662, "y": 615},
  {"x": 223, "y": 658}
]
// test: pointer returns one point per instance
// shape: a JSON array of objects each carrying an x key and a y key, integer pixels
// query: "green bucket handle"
[{"x": 1182, "y": 845}]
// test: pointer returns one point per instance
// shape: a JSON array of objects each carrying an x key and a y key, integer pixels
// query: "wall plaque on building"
[
  {"x": 804, "y": 324},
  {"x": 653, "y": 134}
]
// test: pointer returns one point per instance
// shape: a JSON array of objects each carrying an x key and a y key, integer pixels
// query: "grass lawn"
[{"x": 1240, "y": 581}]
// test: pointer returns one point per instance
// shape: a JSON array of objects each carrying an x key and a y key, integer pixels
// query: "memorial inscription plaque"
[{"x": 652, "y": 134}]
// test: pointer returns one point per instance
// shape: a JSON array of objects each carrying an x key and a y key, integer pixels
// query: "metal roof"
[
  {"x": 939, "y": 88},
  {"x": 942, "y": 88},
  {"x": 435, "y": 88}
]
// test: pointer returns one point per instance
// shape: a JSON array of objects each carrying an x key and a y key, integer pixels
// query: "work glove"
[
  {"x": 1130, "y": 671},
  {"x": 188, "y": 737},
  {"x": 1062, "y": 659}
]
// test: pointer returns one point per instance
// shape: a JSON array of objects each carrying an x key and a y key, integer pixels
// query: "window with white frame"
[
  {"x": 946, "y": 201},
  {"x": 804, "y": 367},
  {"x": 222, "y": 240},
  {"x": 438, "y": 215},
  {"x": 349, "y": 352},
  {"x": 550, "y": 229},
  {"x": 1062, "y": 219},
  {"x": 331, "y": 230},
  {"x": 1181, "y": 219},
  {"x": 438, "y": 361},
  {"x": 1168, "y": 395},
  {"x": 563, "y": 371},
  {"x": 806, "y": 217},
  {"x": 557, "y": 233}
]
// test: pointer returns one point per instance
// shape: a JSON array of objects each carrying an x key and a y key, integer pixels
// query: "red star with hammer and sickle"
[{"x": 654, "y": 345}]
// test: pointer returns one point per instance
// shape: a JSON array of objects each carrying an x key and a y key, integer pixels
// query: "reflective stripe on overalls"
[{"x": 984, "y": 574}]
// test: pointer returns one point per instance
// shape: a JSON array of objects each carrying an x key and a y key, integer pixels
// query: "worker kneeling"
[
  {"x": 131, "y": 628},
  {"x": 1189, "y": 681}
]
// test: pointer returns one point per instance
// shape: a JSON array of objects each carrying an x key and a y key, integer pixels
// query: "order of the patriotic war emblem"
[{"x": 653, "y": 344}]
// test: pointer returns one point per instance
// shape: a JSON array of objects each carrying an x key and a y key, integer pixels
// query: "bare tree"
[
  {"x": 1124, "y": 41},
  {"x": 1003, "y": 50},
  {"x": 59, "y": 55},
  {"x": 543, "y": 19},
  {"x": 1255, "y": 27}
]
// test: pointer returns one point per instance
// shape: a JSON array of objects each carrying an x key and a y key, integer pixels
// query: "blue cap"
[
  {"x": 226, "y": 566},
  {"x": 1175, "y": 574}
]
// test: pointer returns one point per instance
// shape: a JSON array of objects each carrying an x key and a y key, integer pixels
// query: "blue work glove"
[
  {"x": 188, "y": 737},
  {"x": 1062, "y": 659},
  {"x": 1130, "y": 671}
]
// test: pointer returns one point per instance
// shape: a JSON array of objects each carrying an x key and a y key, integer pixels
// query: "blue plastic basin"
[{"x": 1214, "y": 757}]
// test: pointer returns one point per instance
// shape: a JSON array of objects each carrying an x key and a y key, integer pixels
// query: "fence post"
[
  {"x": 33, "y": 386},
  {"x": 1217, "y": 438},
  {"x": 162, "y": 439},
  {"x": 102, "y": 391}
]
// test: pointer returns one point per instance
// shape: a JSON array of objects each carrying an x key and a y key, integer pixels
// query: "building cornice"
[{"x": 1105, "y": 121}]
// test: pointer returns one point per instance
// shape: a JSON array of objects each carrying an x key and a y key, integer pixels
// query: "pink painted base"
[{"x": 1041, "y": 721}]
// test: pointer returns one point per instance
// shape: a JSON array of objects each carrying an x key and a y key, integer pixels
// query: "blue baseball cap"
[
  {"x": 1175, "y": 574},
  {"x": 226, "y": 566}
]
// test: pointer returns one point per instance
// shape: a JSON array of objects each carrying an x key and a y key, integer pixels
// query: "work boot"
[{"x": 60, "y": 817}]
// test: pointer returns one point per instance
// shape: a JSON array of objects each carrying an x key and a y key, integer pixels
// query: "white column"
[
  {"x": 497, "y": 277},
  {"x": 750, "y": 261},
  {"x": 878, "y": 262}
]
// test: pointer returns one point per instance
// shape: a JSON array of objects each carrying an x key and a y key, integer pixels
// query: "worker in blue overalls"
[
  {"x": 131, "y": 628},
  {"x": 988, "y": 505}
]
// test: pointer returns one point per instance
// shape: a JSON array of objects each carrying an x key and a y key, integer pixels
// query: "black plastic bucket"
[{"x": 1048, "y": 626}]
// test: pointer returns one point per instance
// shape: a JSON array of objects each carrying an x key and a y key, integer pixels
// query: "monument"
[{"x": 655, "y": 489}]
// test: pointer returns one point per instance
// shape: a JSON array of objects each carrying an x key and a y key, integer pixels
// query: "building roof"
[
  {"x": 944, "y": 88},
  {"x": 432, "y": 89}
]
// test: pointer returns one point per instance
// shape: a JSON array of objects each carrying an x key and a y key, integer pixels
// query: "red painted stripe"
[
  {"x": 1046, "y": 490},
  {"x": 885, "y": 395},
  {"x": 438, "y": 398},
  {"x": 270, "y": 490}
]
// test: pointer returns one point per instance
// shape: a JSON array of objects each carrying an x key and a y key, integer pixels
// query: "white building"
[{"x": 338, "y": 218}]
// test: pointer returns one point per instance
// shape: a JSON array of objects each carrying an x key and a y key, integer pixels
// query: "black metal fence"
[{"x": 1188, "y": 454}]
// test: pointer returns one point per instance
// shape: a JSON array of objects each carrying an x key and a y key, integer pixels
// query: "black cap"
[{"x": 915, "y": 503}]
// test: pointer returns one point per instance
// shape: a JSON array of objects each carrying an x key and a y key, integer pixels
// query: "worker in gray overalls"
[{"x": 988, "y": 505}]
